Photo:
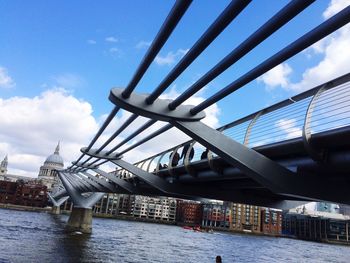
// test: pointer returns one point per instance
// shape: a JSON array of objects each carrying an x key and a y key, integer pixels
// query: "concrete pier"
[
  {"x": 80, "y": 219},
  {"x": 56, "y": 210}
]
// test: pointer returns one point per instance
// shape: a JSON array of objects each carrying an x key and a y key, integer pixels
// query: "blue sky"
[
  {"x": 79, "y": 50},
  {"x": 43, "y": 41}
]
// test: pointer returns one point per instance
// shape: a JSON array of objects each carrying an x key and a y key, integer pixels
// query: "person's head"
[{"x": 218, "y": 259}]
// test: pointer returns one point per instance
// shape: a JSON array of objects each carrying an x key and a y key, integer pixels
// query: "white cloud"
[
  {"x": 31, "y": 127},
  {"x": 5, "y": 80},
  {"x": 277, "y": 77},
  {"x": 334, "y": 7},
  {"x": 69, "y": 80},
  {"x": 319, "y": 47},
  {"x": 115, "y": 52},
  {"x": 170, "y": 58},
  {"x": 289, "y": 126},
  {"x": 143, "y": 44},
  {"x": 91, "y": 42},
  {"x": 335, "y": 51},
  {"x": 334, "y": 63},
  {"x": 111, "y": 39}
]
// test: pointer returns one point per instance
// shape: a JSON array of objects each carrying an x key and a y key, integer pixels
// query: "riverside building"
[
  {"x": 189, "y": 212},
  {"x": 154, "y": 208},
  {"x": 142, "y": 207},
  {"x": 245, "y": 218},
  {"x": 114, "y": 204},
  {"x": 318, "y": 226},
  {"x": 216, "y": 215},
  {"x": 23, "y": 193},
  {"x": 271, "y": 221}
]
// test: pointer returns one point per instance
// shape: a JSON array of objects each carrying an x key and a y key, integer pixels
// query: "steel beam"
[
  {"x": 59, "y": 202},
  {"x": 79, "y": 200},
  {"x": 263, "y": 170},
  {"x": 78, "y": 185},
  {"x": 82, "y": 185},
  {"x": 98, "y": 187},
  {"x": 193, "y": 191},
  {"x": 149, "y": 178},
  {"x": 119, "y": 182},
  {"x": 101, "y": 182}
]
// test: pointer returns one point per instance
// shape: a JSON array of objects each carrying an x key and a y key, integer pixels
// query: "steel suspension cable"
[
  {"x": 134, "y": 134},
  {"x": 118, "y": 131},
  {"x": 100, "y": 131},
  {"x": 271, "y": 26},
  {"x": 149, "y": 137},
  {"x": 223, "y": 20},
  {"x": 165, "y": 31},
  {"x": 104, "y": 126},
  {"x": 335, "y": 22}
]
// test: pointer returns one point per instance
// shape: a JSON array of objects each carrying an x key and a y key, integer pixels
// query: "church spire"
[
  {"x": 4, "y": 162},
  {"x": 3, "y": 166},
  {"x": 57, "y": 151}
]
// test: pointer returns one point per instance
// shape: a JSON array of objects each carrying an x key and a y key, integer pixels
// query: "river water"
[{"x": 41, "y": 237}]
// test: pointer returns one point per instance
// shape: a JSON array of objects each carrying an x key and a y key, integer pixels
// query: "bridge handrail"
[{"x": 273, "y": 108}]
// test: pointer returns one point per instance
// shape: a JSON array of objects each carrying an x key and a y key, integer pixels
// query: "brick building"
[
  {"x": 189, "y": 212},
  {"x": 271, "y": 221},
  {"x": 216, "y": 215},
  {"x": 21, "y": 193},
  {"x": 31, "y": 194},
  {"x": 245, "y": 218},
  {"x": 7, "y": 192}
]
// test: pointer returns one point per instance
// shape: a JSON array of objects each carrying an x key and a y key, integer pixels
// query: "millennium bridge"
[{"x": 291, "y": 152}]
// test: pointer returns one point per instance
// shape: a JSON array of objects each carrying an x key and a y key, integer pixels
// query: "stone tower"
[{"x": 3, "y": 166}]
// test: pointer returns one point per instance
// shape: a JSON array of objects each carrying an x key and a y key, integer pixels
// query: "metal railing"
[{"x": 275, "y": 123}]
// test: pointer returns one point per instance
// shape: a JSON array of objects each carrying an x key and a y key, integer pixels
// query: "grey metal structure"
[{"x": 295, "y": 150}]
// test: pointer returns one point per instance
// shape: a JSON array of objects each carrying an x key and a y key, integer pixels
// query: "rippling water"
[{"x": 41, "y": 237}]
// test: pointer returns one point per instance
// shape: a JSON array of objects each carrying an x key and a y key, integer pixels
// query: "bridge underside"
[{"x": 217, "y": 179}]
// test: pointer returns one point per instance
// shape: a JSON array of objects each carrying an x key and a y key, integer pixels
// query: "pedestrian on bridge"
[{"x": 185, "y": 150}]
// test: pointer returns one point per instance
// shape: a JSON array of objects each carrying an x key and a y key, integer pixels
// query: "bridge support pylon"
[
  {"x": 56, "y": 210},
  {"x": 80, "y": 220}
]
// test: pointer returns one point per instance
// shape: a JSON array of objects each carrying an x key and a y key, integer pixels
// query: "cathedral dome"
[
  {"x": 55, "y": 158},
  {"x": 47, "y": 173}
]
